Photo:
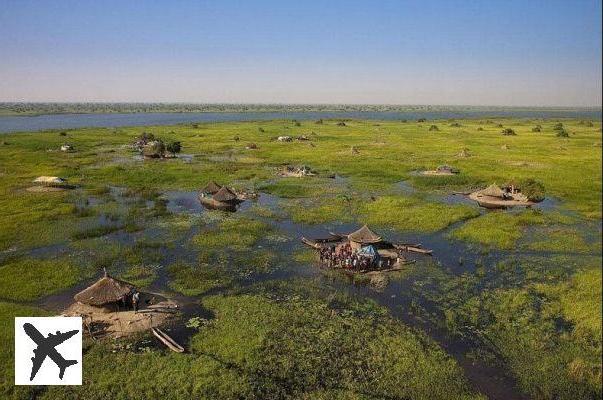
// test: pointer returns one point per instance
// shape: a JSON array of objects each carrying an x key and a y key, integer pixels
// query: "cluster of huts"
[
  {"x": 217, "y": 197},
  {"x": 296, "y": 171},
  {"x": 495, "y": 196},
  {"x": 362, "y": 250},
  {"x": 442, "y": 170}
]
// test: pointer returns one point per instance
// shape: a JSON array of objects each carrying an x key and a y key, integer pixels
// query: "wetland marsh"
[{"x": 508, "y": 306}]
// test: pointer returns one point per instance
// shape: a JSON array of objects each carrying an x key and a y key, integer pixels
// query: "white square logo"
[{"x": 48, "y": 351}]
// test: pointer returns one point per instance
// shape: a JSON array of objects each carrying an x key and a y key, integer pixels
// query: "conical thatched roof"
[
  {"x": 364, "y": 235},
  {"x": 225, "y": 195},
  {"x": 211, "y": 188},
  {"x": 49, "y": 180},
  {"x": 493, "y": 191},
  {"x": 105, "y": 290}
]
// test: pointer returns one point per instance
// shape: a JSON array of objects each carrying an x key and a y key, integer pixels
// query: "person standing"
[{"x": 135, "y": 300}]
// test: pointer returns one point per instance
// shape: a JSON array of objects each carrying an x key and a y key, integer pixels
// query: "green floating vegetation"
[
  {"x": 29, "y": 279},
  {"x": 559, "y": 239},
  {"x": 194, "y": 280},
  {"x": 339, "y": 208},
  {"x": 502, "y": 230},
  {"x": 413, "y": 214},
  {"x": 238, "y": 233},
  {"x": 139, "y": 275}
]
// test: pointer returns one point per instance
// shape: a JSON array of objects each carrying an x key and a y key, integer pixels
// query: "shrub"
[
  {"x": 155, "y": 148},
  {"x": 532, "y": 189},
  {"x": 558, "y": 126},
  {"x": 434, "y": 128},
  {"x": 174, "y": 147},
  {"x": 455, "y": 125},
  {"x": 537, "y": 128},
  {"x": 480, "y": 129},
  {"x": 319, "y": 122},
  {"x": 261, "y": 130},
  {"x": 508, "y": 132},
  {"x": 421, "y": 120},
  {"x": 562, "y": 133}
]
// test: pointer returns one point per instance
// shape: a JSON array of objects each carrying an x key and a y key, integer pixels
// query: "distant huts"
[
  {"x": 510, "y": 195},
  {"x": 217, "y": 197},
  {"x": 296, "y": 172},
  {"x": 442, "y": 170},
  {"x": 49, "y": 184},
  {"x": 54, "y": 181},
  {"x": 154, "y": 149}
]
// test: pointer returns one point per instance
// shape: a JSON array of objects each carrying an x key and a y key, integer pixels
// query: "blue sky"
[{"x": 490, "y": 52}]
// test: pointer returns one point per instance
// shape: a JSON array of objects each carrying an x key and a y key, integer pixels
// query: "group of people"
[
  {"x": 131, "y": 301},
  {"x": 344, "y": 256}
]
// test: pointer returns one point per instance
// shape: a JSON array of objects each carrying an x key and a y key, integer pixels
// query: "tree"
[
  {"x": 174, "y": 147},
  {"x": 562, "y": 133},
  {"x": 532, "y": 189}
]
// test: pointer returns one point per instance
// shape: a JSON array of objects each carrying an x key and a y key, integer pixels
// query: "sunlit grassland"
[
  {"x": 412, "y": 214},
  {"x": 502, "y": 230},
  {"x": 273, "y": 347},
  {"x": 28, "y": 279},
  {"x": 540, "y": 312}
]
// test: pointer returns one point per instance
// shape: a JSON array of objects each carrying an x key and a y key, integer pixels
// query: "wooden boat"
[
  {"x": 167, "y": 340},
  {"x": 397, "y": 267},
  {"x": 413, "y": 249},
  {"x": 321, "y": 242}
]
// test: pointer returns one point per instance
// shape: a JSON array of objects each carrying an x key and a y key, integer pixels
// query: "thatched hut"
[
  {"x": 493, "y": 191},
  {"x": 446, "y": 169},
  {"x": 154, "y": 149},
  {"x": 106, "y": 291},
  {"x": 211, "y": 188},
  {"x": 222, "y": 199},
  {"x": 225, "y": 195},
  {"x": 51, "y": 181},
  {"x": 363, "y": 237}
]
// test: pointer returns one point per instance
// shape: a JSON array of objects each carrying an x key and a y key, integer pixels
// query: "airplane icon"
[{"x": 46, "y": 348}]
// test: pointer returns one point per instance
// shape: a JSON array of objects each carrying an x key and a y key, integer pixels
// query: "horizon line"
[{"x": 303, "y": 104}]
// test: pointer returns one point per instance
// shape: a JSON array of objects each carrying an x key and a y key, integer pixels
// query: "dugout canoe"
[
  {"x": 167, "y": 340},
  {"x": 413, "y": 249}
]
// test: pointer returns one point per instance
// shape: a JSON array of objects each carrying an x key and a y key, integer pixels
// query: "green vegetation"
[
  {"x": 412, "y": 214},
  {"x": 502, "y": 230},
  {"x": 259, "y": 346},
  {"x": 522, "y": 287},
  {"x": 29, "y": 279}
]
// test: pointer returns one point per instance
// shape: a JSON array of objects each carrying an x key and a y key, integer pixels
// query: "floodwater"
[
  {"x": 394, "y": 291},
  {"x": 112, "y": 120}
]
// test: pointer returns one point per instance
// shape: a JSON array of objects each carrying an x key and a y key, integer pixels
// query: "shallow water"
[
  {"x": 396, "y": 291},
  {"x": 70, "y": 121}
]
